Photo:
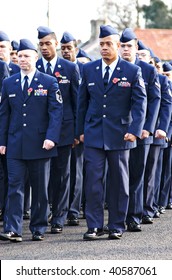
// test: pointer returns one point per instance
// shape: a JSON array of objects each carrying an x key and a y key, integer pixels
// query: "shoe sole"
[
  {"x": 39, "y": 239},
  {"x": 90, "y": 238},
  {"x": 56, "y": 232},
  {"x": 114, "y": 237},
  {"x": 18, "y": 239},
  {"x": 134, "y": 230},
  {"x": 12, "y": 239},
  {"x": 4, "y": 238}
]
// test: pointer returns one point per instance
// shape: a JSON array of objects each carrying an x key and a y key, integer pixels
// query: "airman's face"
[
  {"x": 109, "y": 48},
  {"x": 68, "y": 51},
  {"x": 5, "y": 49},
  {"x": 27, "y": 60},
  {"x": 128, "y": 50},
  {"x": 48, "y": 47}
]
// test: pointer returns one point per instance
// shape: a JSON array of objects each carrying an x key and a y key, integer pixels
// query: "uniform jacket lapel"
[
  {"x": 98, "y": 74},
  {"x": 17, "y": 87},
  {"x": 40, "y": 65},
  {"x": 115, "y": 75},
  {"x": 58, "y": 66}
]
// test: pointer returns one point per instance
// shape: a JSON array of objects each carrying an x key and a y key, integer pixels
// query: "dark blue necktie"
[
  {"x": 25, "y": 87},
  {"x": 106, "y": 76},
  {"x": 48, "y": 71}
]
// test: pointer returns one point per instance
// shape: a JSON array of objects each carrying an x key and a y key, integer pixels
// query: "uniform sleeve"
[
  {"x": 139, "y": 104},
  {"x": 55, "y": 111},
  {"x": 153, "y": 101}
]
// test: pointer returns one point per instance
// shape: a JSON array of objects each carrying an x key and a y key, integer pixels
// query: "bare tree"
[{"x": 120, "y": 14}]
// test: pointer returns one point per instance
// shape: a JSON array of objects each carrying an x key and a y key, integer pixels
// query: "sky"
[{"x": 21, "y": 18}]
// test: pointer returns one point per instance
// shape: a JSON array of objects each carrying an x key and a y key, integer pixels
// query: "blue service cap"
[
  {"x": 151, "y": 53},
  {"x": 127, "y": 35},
  {"x": 3, "y": 36},
  {"x": 141, "y": 46},
  {"x": 25, "y": 44},
  {"x": 157, "y": 59},
  {"x": 107, "y": 30},
  {"x": 166, "y": 67},
  {"x": 15, "y": 45},
  {"x": 66, "y": 38},
  {"x": 43, "y": 31},
  {"x": 82, "y": 53}
]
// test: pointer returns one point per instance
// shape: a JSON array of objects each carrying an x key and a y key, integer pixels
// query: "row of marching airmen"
[{"x": 83, "y": 132}]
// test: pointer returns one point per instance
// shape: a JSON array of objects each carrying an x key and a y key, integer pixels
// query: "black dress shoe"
[
  {"x": 26, "y": 215},
  {"x": 73, "y": 221},
  {"x": 56, "y": 228},
  {"x": 147, "y": 220},
  {"x": 14, "y": 237},
  {"x": 162, "y": 209},
  {"x": 157, "y": 214},
  {"x": 133, "y": 226},
  {"x": 37, "y": 236},
  {"x": 106, "y": 229},
  {"x": 115, "y": 234},
  {"x": 93, "y": 233},
  {"x": 169, "y": 205}
]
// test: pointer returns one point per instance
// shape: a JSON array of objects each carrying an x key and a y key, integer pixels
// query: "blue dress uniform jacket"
[
  {"x": 152, "y": 85},
  {"x": 25, "y": 123},
  {"x": 104, "y": 116},
  {"x": 13, "y": 68},
  {"x": 4, "y": 73},
  {"x": 140, "y": 153},
  {"x": 164, "y": 116},
  {"x": 151, "y": 178},
  {"x": 67, "y": 76},
  {"x": 66, "y": 73}
]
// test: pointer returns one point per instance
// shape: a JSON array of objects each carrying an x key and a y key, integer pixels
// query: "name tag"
[
  {"x": 91, "y": 84},
  {"x": 12, "y": 95}
]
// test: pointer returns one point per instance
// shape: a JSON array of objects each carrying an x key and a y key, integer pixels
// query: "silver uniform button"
[
  {"x": 104, "y": 106},
  {"x": 24, "y": 115},
  {"x": 105, "y": 95},
  {"x": 24, "y": 124},
  {"x": 24, "y": 105},
  {"x": 104, "y": 116}
]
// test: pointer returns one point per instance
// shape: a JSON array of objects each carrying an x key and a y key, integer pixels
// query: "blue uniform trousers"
[
  {"x": 95, "y": 160},
  {"x": 60, "y": 184},
  {"x": 137, "y": 165},
  {"x": 149, "y": 180},
  {"x": 158, "y": 175},
  {"x": 39, "y": 171},
  {"x": 76, "y": 181},
  {"x": 3, "y": 182},
  {"x": 166, "y": 178}
]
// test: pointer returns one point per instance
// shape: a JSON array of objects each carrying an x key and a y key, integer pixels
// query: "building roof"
[{"x": 159, "y": 40}]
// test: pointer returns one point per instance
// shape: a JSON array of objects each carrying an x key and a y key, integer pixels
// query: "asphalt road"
[{"x": 154, "y": 242}]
